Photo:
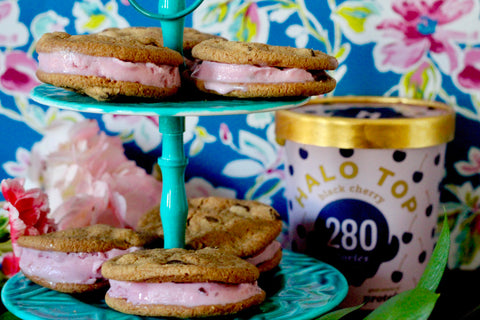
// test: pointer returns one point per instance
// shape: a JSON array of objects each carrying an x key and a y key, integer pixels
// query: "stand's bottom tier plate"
[{"x": 300, "y": 288}]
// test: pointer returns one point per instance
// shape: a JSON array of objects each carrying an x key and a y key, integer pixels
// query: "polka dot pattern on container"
[
  {"x": 422, "y": 257},
  {"x": 417, "y": 176},
  {"x": 346, "y": 153},
  {"x": 399, "y": 156},
  {"x": 397, "y": 276},
  {"x": 303, "y": 153},
  {"x": 429, "y": 210},
  {"x": 407, "y": 237}
]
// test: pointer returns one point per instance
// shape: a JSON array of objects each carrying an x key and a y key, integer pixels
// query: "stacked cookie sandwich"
[
  {"x": 132, "y": 62},
  {"x": 245, "y": 228},
  {"x": 229, "y": 243}
]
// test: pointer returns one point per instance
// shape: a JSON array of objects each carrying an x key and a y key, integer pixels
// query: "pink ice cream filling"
[
  {"x": 224, "y": 77},
  {"x": 66, "y": 267},
  {"x": 266, "y": 254},
  {"x": 182, "y": 294},
  {"x": 162, "y": 76}
]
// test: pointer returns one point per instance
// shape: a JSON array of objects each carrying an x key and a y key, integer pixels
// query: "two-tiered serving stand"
[
  {"x": 295, "y": 270},
  {"x": 173, "y": 206}
]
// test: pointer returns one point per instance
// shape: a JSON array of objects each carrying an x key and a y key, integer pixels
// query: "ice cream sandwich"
[
  {"x": 181, "y": 283},
  {"x": 257, "y": 70},
  {"x": 70, "y": 260},
  {"x": 130, "y": 62}
]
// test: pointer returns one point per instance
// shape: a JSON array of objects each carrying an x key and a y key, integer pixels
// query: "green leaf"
[
  {"x": 415, "y": 304},
  {"x": 433, "y": 273},
  {"x": 338, "y": 314},
  {"x": 6, "y": 246},
  {"x": 8, "y": 316}
]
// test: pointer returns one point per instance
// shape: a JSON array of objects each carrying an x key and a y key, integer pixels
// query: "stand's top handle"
[
  {"x": 169, "y": 5},
  {"x": 171, "y": 14}
]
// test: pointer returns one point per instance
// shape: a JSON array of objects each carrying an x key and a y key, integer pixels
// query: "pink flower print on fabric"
[
  {"x": 17, "y": 74},
  {"x": 469, "y": 76},
  {"x": 12, "y": 32},
  {"x": 423, "y": 27},
  {"x": 225, "y": 134},
  {"x": 472, "y": 166}
]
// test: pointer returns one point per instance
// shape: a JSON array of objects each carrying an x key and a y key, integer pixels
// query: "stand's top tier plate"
[{"x": 57, "y": 97}]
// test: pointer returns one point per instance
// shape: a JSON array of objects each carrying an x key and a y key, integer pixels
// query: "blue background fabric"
[{"x": 428, "y": 50}]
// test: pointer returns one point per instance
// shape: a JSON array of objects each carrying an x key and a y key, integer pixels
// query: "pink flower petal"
[
  {"x": 5, "y": 9},
  {"x": 10, "y": 264},
  {"x": 27, "y": 209},
  {"x": 19, "y": 74},
  {"x": 469, "y": 76},
  {"x": 11, "y": 188},
  {"x": 403, "y": 55},
  {"x": 225, "y": 134},
  {"x": 452, "y": 10}
]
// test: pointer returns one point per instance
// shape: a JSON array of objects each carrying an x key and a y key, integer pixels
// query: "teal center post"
[{"x": 173, "y": 205}]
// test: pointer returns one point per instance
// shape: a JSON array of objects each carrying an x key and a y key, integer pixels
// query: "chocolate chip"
[
  {"x": 151, "y": 43},
  {"x": 177, "y": 262},
  {"x": 211, "y": 219},
  {"x": 202, "y": 290}
]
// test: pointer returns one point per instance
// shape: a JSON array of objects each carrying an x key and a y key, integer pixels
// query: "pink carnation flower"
[
  {"x": 27, "y": 209},
  {"x": 28, "y": 215},
  {"x": 89, "y": 179}
]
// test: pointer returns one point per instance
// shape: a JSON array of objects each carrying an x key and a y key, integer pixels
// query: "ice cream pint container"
[{"x": 363, "y": 177}]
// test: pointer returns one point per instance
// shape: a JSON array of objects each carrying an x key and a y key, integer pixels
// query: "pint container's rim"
[{"x": 382, "y": 133}]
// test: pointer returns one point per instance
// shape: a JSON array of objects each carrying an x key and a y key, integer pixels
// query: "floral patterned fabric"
[{"x": 422, "y": 49}]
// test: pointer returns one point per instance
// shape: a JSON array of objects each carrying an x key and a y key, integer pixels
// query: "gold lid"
[{"x": 433, "y": 124}]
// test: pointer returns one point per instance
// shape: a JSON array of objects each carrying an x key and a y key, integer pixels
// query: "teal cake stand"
[
  {"x": 173, "y": 205},
  {"x": 302, "y": 288}
]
